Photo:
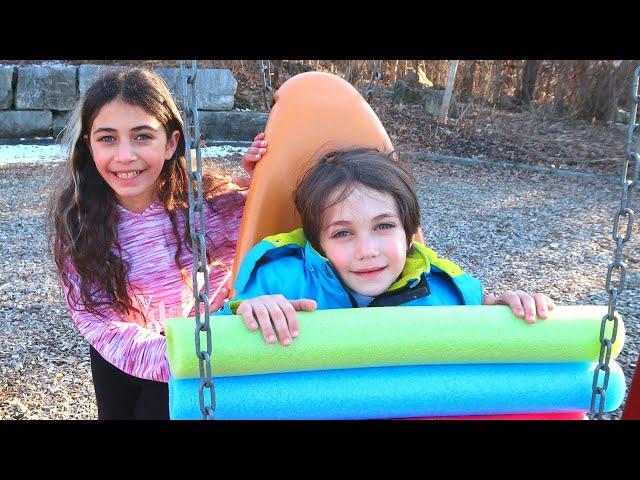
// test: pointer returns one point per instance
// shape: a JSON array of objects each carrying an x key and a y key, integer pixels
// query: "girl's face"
[
  {"x": 365, "y": 241},
  {"x": 129, "y": 147}
]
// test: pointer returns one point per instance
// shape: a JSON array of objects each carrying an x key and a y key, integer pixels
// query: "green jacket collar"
[{"x": 419, "y": 259}]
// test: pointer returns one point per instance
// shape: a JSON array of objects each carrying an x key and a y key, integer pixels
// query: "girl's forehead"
[{"x": 119, "y": 113}]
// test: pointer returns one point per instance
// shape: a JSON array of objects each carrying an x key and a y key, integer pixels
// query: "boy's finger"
[
  {"x": 290, "y": 314},
  {"x": 550, "y": 303},
  {"x": 304, "y": 304},
  {"x": 261, "y": 313},
  {"x": 512, "y": 299},
  {"x": 280, "y": 322},
  {"x": 490, "y": 299},
  {"x": 247, "y": 315},
  {"x": 541, "y": 305},
  {"x": 529, "y": 306}
]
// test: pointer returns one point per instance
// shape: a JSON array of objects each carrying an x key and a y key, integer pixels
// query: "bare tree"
[
  {"x": 446, "y": 100},
  {"x": 529, "y": 78},
  {"x": 466, "y": 81}
]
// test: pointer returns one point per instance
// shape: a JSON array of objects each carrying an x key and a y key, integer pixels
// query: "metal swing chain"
[
  {"x": 192, "y": 136},
  {"x": 614, "y": 289},
  {"x": 376, "y": 76},
  {"x": 266, "y": 81}
]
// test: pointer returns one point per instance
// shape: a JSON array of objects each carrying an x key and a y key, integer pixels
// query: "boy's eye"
[
  {"x": 341, "y": 233},
  {"x": 386, "y": 226},
  {"x": 144, "y": 136}
]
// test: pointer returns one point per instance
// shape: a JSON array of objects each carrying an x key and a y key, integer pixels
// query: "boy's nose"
[{"x": 367, "y": 248}]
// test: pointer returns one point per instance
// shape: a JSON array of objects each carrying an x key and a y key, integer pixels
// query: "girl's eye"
[
  {"x": 143, "y": 137},
  {"x": 340, "y": 234},
  {"x": 107, "y": 139},
  {"x": 386, "y": 226}
]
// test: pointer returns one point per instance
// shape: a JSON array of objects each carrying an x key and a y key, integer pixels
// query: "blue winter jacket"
[{"x": 287, "y": 264}]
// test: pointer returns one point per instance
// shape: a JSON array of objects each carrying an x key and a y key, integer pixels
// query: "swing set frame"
[{"x": 616, "y": 273}]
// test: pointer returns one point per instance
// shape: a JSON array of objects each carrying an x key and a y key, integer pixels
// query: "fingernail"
[
  {"x": 262, "y": 150},
  {"x": 263, "y": 143},
  {"x": 294, "y": 333},
  {"x": 271, "y": 339},
  {"x": 253, "y": 326},
  {"x": 286, "y": 341}
]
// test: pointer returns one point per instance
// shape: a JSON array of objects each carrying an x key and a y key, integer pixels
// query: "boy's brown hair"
[{"x": 343, "y": 170}]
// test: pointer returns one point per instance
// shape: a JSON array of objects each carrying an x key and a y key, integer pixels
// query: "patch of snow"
[
  {"x": 222, "y": 151},
  {"x": 53, "y": 153},
  {"x": 30, "y": 154}
]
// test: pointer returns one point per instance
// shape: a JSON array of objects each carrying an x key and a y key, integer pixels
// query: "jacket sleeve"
[
  {"x": 130, "y": 347},
  {"x": 258, "y": 284},
  {"x": 267, "y": 278}
]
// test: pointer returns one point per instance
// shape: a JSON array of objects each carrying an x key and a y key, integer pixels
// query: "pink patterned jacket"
[{"x": 161, "y": 290}]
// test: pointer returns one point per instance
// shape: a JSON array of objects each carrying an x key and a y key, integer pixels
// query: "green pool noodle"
[{"x": 388, "y": 336}]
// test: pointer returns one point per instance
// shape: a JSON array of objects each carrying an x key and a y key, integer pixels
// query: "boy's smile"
[{"x": 364, "y": 239}]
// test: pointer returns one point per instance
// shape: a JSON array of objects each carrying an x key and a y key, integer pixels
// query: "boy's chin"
[{"x": 370, "y": 291}]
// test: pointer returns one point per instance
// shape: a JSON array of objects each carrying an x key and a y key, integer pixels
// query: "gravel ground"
[{"x": 512, "y": 229}]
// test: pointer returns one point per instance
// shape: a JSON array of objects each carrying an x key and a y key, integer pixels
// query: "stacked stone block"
[{"x": 36, "y": 101}]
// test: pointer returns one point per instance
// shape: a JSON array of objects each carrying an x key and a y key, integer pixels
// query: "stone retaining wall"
[{"x": 36, "y": 101}]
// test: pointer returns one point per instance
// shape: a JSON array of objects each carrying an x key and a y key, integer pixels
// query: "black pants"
[{"x": 121, "y": 396}]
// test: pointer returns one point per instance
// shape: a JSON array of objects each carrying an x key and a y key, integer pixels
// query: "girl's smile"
[{"x": 129, "y": 148}]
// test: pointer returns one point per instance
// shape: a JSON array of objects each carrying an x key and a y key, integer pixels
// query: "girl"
[
  {"x": 359, "y": 211},
  {"x": 120, "y": 236}
]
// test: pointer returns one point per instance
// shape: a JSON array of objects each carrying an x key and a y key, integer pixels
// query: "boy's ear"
[{"x": 411, "y": 240}]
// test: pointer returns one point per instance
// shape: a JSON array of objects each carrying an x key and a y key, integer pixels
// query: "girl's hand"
[
  {"x": 274, "y": 311},
  {"x": 254, "y": 153},
  {"x": 522, "y": 304}
]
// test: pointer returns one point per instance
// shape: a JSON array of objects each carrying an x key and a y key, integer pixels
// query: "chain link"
[
  {"x": 266, "y": 81},
  {"x": 200, "y": 269},
  {"x": 614, "y": 287}
]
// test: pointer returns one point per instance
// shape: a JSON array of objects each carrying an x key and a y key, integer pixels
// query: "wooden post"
[{"x": 446, "y": 101}]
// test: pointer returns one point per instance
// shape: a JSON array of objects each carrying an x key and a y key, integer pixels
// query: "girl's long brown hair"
[{"x": 83, "y": 216}]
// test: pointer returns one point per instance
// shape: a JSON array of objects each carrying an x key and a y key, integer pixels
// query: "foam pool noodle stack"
[{"x": 400, "y": 362}]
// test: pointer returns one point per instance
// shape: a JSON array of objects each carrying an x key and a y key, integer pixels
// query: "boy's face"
[{"x": 365, "y": 241}]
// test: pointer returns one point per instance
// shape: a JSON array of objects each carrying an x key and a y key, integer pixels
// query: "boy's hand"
[
  {"x": 522, "y": 304},
  {"x": 274, "y": 311}
]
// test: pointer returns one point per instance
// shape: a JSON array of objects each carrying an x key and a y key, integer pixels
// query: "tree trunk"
[
  {"x": 497, "y": 80},
  {"x": 466, "y": 86},
  {"x": 529, "y": 77},
  {"x": 276, "y": 68},
  {"x": 448, "y": 91},
  {"x": 562, "y": 68}
]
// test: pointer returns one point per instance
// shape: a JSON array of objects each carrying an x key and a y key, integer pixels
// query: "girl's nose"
[{"x": 125, "y": 152}]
